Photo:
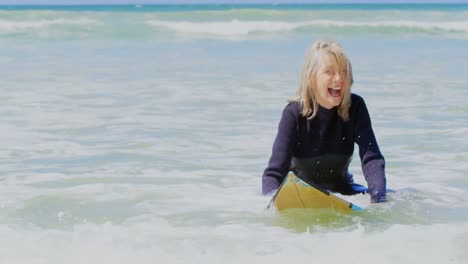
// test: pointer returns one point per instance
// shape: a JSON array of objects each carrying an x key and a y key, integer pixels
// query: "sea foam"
[{"x": 237, "y": 27}]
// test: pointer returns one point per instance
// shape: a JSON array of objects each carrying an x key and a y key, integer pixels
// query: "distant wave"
[
  {"x": 236, "y": 27},
  {"x": 141, "y": 26},
  {"x": 13, "y": 26}
]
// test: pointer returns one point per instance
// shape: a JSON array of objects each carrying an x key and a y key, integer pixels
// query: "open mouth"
[{"x": 334, "y": 92}]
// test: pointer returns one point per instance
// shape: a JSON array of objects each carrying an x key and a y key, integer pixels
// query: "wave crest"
[
  {"x": 239, "y": 28},
  {"x": 12, "y": 26},
  {"x": 131, "y": 26}
]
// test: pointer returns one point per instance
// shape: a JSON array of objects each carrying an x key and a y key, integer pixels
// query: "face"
[{"x": 329, "y": 88}]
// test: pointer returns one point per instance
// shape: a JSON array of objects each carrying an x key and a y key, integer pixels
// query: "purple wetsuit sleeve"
[
  {"x": 372, "y": 160},
  {"x": 278, "y": 166}
]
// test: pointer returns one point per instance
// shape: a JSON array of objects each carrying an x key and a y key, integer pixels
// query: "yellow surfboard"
[{"x": 295, "y": 193}]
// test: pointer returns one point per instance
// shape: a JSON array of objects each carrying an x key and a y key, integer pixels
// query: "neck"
[{"x": 326, "y": 113}]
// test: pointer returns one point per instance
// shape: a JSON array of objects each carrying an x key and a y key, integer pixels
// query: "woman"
[{"x": 318, "y": 129}]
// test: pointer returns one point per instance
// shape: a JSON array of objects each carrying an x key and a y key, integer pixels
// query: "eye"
[{"x": 330, "y": 71}]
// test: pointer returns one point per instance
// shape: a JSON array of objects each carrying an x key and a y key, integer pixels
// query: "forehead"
[{"x": 332, "y": 59}]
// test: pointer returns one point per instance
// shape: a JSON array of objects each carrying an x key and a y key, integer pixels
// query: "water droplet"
[{"x": 60, "y": 215}]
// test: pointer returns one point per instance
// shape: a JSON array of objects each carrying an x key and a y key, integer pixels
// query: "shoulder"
[
  {"x": 356, "y": 99},
  {"x": 357, "y": 103},
  {"x": 358, "y": 109},
  {"x": 293, "y": 108},
  {"x": 291, "y": 113}
]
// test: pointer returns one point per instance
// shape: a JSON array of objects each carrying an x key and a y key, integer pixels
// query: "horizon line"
[{"x": 226, "y": 3}]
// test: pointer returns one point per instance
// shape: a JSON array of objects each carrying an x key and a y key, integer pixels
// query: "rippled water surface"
[{"x": 131, "y": 136}]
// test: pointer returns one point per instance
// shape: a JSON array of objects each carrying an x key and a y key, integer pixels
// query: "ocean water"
[{"x": 139, "y": 134}]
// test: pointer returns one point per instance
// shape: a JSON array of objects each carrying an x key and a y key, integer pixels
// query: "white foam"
[
  {"x": 161, "y": 241},
  {"x": 238, "y": 28},
  {"x": 12, "y": 26},
  {"x": 234, "y": 27}
]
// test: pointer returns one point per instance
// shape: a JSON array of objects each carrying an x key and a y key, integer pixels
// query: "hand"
[{"x": 378, "y": 198}]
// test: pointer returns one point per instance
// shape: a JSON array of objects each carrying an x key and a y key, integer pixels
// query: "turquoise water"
[
  {"x": 140, "y": 133},
  {"x": 230, "y": 21},
  {"x": 224, "y": 7}
]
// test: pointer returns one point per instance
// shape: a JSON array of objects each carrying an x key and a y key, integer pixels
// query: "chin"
[{"x": 335, "y": 102}]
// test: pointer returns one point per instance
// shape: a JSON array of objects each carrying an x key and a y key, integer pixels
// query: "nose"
[{"x": 337, "y": 78}]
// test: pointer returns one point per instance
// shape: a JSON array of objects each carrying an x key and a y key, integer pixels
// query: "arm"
[
  {"x": 372, "y": 160},
  {"x": 281, "y": 155}
]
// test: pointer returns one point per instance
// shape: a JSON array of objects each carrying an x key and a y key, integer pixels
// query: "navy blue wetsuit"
[{"x": 320, "y": 149}]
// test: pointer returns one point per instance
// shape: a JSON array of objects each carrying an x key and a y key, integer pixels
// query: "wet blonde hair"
[{"x": 321, "y": 52}]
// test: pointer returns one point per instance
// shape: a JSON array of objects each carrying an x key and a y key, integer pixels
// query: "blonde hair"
[{"x": 305, "y": 95}]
